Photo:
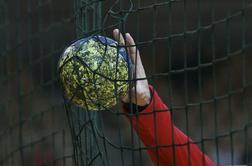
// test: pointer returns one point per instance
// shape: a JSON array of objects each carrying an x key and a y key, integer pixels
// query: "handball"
[{"x": 94, "y": 72}]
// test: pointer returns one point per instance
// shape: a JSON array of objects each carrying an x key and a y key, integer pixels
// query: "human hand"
[{"x": 140, "y": 93}]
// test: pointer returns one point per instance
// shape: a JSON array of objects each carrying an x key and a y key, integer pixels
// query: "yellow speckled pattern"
[{"x": 93, "y": 74}]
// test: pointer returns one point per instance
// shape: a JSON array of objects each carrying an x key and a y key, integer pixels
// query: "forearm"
[{"x": 167, "y": 145}]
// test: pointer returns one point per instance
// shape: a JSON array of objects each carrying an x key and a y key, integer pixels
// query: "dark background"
[{"x": 196, "y": 53}]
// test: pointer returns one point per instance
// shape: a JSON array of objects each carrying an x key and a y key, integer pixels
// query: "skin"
[{"x": 140, "y": 93}]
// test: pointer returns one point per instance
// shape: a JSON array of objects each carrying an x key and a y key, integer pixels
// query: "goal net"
[{"x": 196, "y": 55}]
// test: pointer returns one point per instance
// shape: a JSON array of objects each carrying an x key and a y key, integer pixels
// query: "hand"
[{"x": 140, "y": 93}]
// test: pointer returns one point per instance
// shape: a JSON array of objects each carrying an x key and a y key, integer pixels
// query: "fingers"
[
  {"x": 118, "y": 36},
  {"x": 130, "y": 43},
  {"x": 131, "y": 47},
  {"x": 139, "y": 93}
]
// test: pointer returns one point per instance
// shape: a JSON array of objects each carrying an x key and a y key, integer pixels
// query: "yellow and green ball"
[{"x": 94, "y": 72}]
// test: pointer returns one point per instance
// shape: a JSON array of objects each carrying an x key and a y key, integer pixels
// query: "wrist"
[
  {"x": 144, "y": 96},
  {"x": 145, "y": 99}
]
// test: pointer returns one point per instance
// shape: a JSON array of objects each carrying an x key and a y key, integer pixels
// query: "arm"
[
  {"x": 157, "y": 132},
  {"x": 167, "y": 145}
]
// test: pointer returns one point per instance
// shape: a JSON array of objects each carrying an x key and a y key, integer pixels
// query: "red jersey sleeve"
[{"x": 167, "y": 145}]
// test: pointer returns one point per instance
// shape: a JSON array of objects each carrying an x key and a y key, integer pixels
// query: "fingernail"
[
  {"x": 127, "y": 35},
  {"x": 116, "y": 30}
]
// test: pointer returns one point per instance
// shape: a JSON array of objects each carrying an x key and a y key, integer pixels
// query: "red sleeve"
[{"x": 167, "y": 145}]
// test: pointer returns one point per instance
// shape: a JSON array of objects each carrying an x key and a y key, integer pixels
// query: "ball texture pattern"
[{"x": 94, "y": 72}]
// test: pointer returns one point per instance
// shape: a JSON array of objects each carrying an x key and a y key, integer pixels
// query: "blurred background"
[{"x": 197, "y": 54}]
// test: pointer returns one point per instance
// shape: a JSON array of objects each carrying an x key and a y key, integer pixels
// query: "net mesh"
[
  {"x": 33, "y": 124},
  {"x": 196, "y": 54}
]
